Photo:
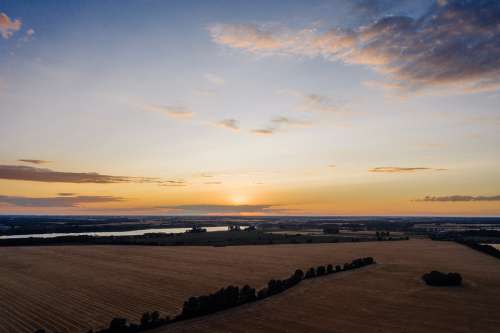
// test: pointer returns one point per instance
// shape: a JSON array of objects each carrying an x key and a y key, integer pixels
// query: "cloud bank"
[{"x": 455, "y": 43}]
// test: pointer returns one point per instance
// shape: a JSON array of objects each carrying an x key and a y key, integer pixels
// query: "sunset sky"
[{"x": 250, "y": 107}]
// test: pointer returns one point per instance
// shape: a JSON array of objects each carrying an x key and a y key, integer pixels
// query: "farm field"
[
  {"x": 75, "y": 288},
  {"x": 388, "y": 297}
]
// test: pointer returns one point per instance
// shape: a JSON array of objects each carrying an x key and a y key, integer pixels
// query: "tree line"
[
  {"x": 488, "y": 249},
  {"x": 226, "y": 298}
]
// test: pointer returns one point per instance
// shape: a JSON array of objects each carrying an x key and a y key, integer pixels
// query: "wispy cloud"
[
  {"x": 454, "y": 44},
  {"x": 213, "y": 183},
  {"x": 285, "y": 121},
  {"x": 215, "y": 79},
  {"x": 173, "y": 183},
  {"x": 33, "y": 161},
  {"x": 312, "y": 102},
  {"x": 67, "y": 200},
  {"x": 281, "y": 123},
  {"x": 460, "y": 198},
  {"x": 403, "y": 169},
  {"x": 28, "y": 173},
  {"x": 230, "y": 123},
  {"x": 264, "y": 131},
  {"x": 318, "y": 103},
  {"x": 174, "y": 111},
  {"x": 8, "y": 26}
]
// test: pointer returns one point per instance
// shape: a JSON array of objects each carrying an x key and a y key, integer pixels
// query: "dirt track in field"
[{"x": 74, "y": 288}]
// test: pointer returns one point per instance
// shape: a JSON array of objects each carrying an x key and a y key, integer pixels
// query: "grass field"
[{"x": 74, "y": 288}]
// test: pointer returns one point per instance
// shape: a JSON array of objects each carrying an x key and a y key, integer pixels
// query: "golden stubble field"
[{"x": 74, "y": 288}]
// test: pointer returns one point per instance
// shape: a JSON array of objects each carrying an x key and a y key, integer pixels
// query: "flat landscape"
[{"x": 75, "y": 288}]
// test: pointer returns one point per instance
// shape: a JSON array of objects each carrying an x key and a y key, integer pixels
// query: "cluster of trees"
[
  {"x": 436, "y": 278},
  {"x": 226, "y": 298},
  {"x": 488, "y": 249},
  {"x": 149, "y": 320}
]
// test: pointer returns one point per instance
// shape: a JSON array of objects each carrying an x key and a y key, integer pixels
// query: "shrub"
[
  {"x": 320, "y": 271},
  {"x": 329, "y": 269}
]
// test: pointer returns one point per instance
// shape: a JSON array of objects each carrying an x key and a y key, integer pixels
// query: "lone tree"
[{"x": 440, "y": 279}]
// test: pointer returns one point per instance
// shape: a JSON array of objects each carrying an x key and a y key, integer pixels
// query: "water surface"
[{"x": 116, "y": 233}]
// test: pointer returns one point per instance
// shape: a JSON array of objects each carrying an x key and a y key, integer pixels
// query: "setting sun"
[{"x": 239, "y": 199}]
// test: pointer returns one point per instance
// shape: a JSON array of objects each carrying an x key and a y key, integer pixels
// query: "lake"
[{"x": 117, "y": 233}]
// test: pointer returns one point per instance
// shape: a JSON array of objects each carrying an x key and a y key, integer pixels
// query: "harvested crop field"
[{"x": 74, "y": 288}]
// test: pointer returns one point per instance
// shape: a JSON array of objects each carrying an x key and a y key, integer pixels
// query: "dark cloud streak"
[
  {"x": 460, "y": 198},
  {"x": 26, "y": 160},
  {"x": 60, "y": 201},
  {"x": 28, "y": 173}
]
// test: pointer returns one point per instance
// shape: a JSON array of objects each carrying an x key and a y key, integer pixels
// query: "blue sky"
[{"x": 291, "y": 104}]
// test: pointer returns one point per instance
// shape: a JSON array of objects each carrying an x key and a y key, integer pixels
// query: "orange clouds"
[
  {"x": 454, "y": 44},
  {"x": 8, "y": 26},
  {"x": 245, "y": 36}
]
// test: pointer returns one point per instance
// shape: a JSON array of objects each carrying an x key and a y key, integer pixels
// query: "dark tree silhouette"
[
  {"x": 118, "y": 325},
  {"x": 146, "y": 319},
  {"x": 310, "y": 273},
  {"x": 436, "y": 278}
]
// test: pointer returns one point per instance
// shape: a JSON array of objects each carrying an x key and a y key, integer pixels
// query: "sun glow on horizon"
[{"x": 239, "y": 199}]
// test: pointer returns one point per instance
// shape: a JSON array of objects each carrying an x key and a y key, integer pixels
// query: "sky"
[{"x": 313, "y": 107}]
